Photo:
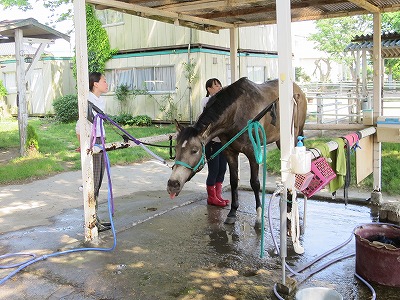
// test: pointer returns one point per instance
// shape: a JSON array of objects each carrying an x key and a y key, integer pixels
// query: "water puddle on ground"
[{"x": 327, "y": 225}]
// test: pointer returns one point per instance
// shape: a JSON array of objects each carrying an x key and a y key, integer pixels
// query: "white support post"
[
  {"x": 377, "y": 103},
  {"x": 85, "y": 126},
  {"x": 365, "y": 104},
  {"x": 21, "y": 88},
  {"x": 358, "y": 100},
  {"x": 233, "y": 48},
  {"x": 364, "y": 72},
  {"x": 286, "y": 113}
]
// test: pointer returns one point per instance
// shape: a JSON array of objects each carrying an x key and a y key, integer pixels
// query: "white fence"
[{"x": 344, "y": 103}]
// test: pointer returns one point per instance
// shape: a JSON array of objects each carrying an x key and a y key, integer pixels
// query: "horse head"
[{"x": 190, "y": 158}]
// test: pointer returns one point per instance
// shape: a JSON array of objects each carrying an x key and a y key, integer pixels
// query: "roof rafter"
[
  {"x": 149, "y": 12},
  {"x": 366, "y": 5},
  {"x": 205, "y": 4},
  {"x": 213, "y": 15}
]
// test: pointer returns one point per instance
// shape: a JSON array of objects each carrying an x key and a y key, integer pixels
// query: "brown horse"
[{"x": 226, "y": 114}]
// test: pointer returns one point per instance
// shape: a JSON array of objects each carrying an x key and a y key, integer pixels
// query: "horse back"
[
  {"x": 251, "y": 99},
  {"x": 269, "y": 96}
]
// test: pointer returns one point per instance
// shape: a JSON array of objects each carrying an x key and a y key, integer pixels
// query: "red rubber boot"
[
  {"x": 212, "y": 197},
  {"x": 218, "y": 190}
]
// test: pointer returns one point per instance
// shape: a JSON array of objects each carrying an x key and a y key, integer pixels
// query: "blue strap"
[{"x": 199, "y": 164}]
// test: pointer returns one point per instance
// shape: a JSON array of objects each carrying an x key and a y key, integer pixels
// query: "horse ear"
[{"x": 179, "y": 127}]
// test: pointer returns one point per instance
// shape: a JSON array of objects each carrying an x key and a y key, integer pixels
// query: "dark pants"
[
  {"x": 98, "y": 169},
  {"x": 216, "y": 166}
]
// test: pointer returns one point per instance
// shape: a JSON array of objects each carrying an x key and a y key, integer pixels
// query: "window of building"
[
  {"x": 156, "y": 79},
  {"x": 228, "y": 75},
  {"x": 125, "y": 77},
  {"x": 10, "y": 81},
  {"x": 256, "y": 74},
  {"x": 110, "y": 17},
  {"x": 150, "y": 79}
]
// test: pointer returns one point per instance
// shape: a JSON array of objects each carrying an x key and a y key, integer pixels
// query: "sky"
[{"x": 43, "y": 15}]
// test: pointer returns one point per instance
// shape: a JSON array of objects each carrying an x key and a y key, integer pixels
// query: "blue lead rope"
[
  {"x": 261, "y": 157},
  {"x": 257, "y": 144}
]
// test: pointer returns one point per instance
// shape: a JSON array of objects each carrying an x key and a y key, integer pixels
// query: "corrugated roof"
[
  {"x": 31, "y": 29},
  {"x": 212, "y": 15},
  {"x": 390, "y": 44}
]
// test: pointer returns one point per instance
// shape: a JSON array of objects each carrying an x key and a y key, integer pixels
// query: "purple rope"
[
  {"x": 103, "y": 146},
  {"x": 136, "y": 141}
]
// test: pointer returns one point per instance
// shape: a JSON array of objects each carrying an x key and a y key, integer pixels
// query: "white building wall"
[
  {"x": 148, "y": 35},
  {"x": 51, "y": 78}
]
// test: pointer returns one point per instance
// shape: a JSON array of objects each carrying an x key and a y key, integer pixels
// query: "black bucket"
[{"x": 378, "y": 253}]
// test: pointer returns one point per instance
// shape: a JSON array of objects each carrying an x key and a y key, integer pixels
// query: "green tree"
[
  {"x": 333, "y": 35},
  {"x": 391, "y": 23},
  {"x": 99, "y": 49},
  {"x": 98, "y": 44},
  {"x": 22, "y": 4}
]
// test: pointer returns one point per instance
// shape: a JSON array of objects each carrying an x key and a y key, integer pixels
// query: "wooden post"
[
  {"x": 85, "y": 126},
  {"x": 21, "y": 88}
]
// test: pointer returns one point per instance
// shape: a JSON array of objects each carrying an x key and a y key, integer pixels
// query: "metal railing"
[{"x": 343, "y": 103}]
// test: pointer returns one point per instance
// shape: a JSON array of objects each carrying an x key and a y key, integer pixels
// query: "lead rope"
[{"x": 260, "y": 158}]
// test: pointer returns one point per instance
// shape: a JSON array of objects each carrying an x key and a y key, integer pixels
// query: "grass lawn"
[{"x": 57, "y": 144}]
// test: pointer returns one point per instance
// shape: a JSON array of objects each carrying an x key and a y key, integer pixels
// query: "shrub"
[
  {"x": 3, "y": 90},
  {"x": 66, "y": 108},
  {"x": 142, "y": 120},
  {"x": 32, "y": 144},
  {"x": 127, "y": 119},
  {"x": 122, "y": 119}
]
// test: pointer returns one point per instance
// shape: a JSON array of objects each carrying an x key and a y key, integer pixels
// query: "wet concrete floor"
[
  {"x": 183, "y": 251},
  {"x": 328, "y": 225}
]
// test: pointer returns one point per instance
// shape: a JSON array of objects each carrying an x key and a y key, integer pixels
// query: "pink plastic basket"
[
  {"x": 302, "y": 180},
  {"x": 323, "y": 174}
]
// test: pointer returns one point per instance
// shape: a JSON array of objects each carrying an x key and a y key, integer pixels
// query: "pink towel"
[{"x": 351, "y": 138}]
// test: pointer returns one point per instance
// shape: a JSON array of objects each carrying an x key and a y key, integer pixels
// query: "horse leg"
[
  {"x": 232, "y": 159},
  {"x": 255, "y": 185}
]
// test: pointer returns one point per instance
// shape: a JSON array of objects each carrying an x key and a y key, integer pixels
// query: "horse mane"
[
  {"x": 215, "y": 107},
  {"x": 218, "y": 103},
  {"x": 186, "y": 134}
]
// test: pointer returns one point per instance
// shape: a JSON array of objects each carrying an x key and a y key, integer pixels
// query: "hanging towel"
[
  {"x": 323, "y": 149},
  {"x": 352, "y": 139},
  {"x": 338, "y": 164}
]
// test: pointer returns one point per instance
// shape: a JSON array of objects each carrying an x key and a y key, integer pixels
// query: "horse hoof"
[
  {"x": 230, "y": 220},
  {"x": 257, "y": 225}
]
